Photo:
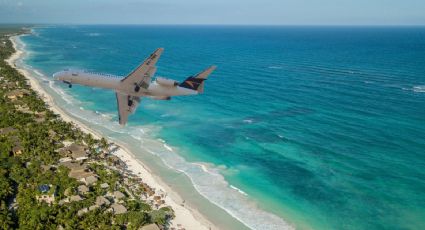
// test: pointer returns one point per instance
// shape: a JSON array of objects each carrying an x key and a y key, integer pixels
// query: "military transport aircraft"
[{"x": 129, "y": 90}]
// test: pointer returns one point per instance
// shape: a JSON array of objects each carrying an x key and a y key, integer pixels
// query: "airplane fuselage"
[
  {"x": 137, "y": 84},
  {"x": 114, "y": 82}
]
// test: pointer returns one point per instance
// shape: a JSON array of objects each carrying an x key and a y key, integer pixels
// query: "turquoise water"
[{"x": 323, "y": 127}]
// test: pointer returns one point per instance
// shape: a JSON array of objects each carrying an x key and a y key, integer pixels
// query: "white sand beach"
[{"x": 186, "y": 217}]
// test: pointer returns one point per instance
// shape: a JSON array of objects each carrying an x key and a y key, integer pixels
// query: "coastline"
[
  {"x": 273, "y": 155},
  {"x": 185, "y": 216}
]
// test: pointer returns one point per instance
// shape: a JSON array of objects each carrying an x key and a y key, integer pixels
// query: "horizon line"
[{"x": 270, "y": 25}]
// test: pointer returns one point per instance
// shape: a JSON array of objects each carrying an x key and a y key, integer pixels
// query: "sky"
[{"x": 222, "y": 12}]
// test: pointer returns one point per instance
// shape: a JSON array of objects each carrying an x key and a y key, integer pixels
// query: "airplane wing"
[
  {"x": 126, "y": 105},
  {"x": 141, "y": 76}
]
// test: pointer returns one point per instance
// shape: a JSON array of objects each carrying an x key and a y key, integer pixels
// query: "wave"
[
  {"x": 94, "y": 34},
  {"x": 275, "y": 67},
  {"x": 160, "y": 140},
  {"x": 416, "y": 89},
  {"x": 38, "y": 73},
  {"x": 66, "y": 97},
  {"x": 248, "y": 121},
  {"x": 210, "y": 183},
  {"x": 136, "y": 137},
  {"x": 239, "y": 190},
  {"x": 168, "y": 147},
  {"x": 419, "y": 89}
]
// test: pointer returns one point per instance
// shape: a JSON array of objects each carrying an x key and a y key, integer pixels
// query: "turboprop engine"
[{"x": 166, "y": 82}]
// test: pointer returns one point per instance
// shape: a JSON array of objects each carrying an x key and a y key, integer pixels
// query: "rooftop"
[
  {"x": 44, "y": 188},
  {"x": 83, "y": 189},
  {"x": 150, "y": 227},
  {"x": 76, "y": 198},
  {"x": 7, "y": 130},
  {"x": 104, "y": 185},
  {"x": 118, "y": 208},
  {"x": 101, "y": 200},
  {"x": 90, "y": 179},
  {"x": 17, "y": 93},
  {"x": 77, "y": 151},
  {"x": 118, "y": 195}
]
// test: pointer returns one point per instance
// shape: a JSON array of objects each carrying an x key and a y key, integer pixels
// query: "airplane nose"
[{"x": 57, "y": 75}]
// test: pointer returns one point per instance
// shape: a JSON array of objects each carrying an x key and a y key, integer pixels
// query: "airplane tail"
[{"x": 197, "y": 82}]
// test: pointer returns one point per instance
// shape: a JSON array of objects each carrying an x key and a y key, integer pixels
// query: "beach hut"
[
  {"x": 44, "y": 188},
  {"x": 150, "y": 227},
  {"x": 104, "y": 185},
  {"x": 118, "y": 208},
  {"x": 75, "y": 198},
  {"x": 118, "y": 195},
  {"x": 82, "y": 211},
  {"x": 82, "y": 189},
  {"x": 90, "y": 180},
  {"x": 17, "y": 150},
  {"x": 101, "y": 200}
]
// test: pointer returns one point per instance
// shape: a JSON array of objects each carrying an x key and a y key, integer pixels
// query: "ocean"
[{"x": 305, "y": 127}]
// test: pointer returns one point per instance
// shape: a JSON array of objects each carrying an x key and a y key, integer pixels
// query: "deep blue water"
[{"x": 322, "y": 126}]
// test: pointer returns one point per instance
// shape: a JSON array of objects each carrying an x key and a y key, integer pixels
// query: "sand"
[{"x": 185, "y": 216}]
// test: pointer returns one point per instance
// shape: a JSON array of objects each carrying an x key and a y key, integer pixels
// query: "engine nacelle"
[
  {"x": 162, "y": 98},
  {"x": 69, "y": 84},
  {"x": 166, "y": 82}
]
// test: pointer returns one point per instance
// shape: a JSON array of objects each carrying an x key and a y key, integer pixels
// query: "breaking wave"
[
  {"x": 239, "y": 190},
  {"x": 419, "y": 89},
  {"x": 211, "y": 184},
  {"x": 275, "y": 67}
]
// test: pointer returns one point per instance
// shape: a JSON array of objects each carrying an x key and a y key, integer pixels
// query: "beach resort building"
[
  {"x": 75, "y": 151},
  {"x": 82, "y": 211},
  {"x": 104, "y": 185},
  {"x": 82, "y": 189},
  {"x": 79, "y": 171},
  {"x": 7, "y": 130},
  {"x": 102, "y": 201},
  {"x": 92, "y": 179},
  {"x": 118, "y": 208},
  {"x": 75, "y": 198},
  {"x": 47, "y": 194},
  {"x": 118, "y": 195},
  {"x": 17, "y": 149},
  {"x": 17, "y": 93}
]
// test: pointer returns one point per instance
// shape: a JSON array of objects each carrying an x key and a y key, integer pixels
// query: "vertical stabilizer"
[{"x": 197, "y": 82}]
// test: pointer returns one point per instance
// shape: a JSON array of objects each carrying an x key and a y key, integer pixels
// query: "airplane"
[{"x": 130, "y": 89}]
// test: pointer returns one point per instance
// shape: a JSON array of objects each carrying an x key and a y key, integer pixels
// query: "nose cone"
[{"x": 58, "y": 75}]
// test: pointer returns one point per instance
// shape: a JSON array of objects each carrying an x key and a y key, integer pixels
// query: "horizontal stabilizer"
[{"x": 197, "y": 82}]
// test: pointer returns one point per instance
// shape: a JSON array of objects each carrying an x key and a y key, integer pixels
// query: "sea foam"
[
  {"x": 419, "y": 89},
  {"x": 239, "y": 190}
]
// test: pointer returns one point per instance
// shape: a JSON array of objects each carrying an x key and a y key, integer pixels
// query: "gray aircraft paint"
[{"x": 129, "y": 90}]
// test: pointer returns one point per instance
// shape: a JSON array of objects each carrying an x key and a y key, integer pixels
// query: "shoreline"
[{"x": 185, "y": 216}]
